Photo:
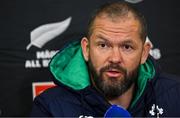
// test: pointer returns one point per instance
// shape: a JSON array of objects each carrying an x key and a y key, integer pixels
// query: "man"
[{"x": 111, "y": 67}]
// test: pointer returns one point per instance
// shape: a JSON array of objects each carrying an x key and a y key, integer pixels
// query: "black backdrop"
[{"x": 21, "y": 65}]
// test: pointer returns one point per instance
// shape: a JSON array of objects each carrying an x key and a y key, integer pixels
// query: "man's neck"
[{"x": 125, "y": 99}]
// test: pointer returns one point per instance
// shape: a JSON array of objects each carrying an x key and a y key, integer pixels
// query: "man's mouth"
[{"x": 113, "y": 73}]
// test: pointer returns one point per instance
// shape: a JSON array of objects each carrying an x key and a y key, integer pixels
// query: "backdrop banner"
[{"x": 32, "y": 31}]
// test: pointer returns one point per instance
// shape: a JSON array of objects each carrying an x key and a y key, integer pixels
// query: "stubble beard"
[{"x": 112, "y": 87}]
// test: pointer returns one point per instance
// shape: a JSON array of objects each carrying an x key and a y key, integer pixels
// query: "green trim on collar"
[
  {"x": 69, "y": 67},
  {"x": 146, "y": 72}
]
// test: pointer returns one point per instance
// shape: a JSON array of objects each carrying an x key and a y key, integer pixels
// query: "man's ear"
[
  {"x": 145, "y": 53},
  {"x": 85, "y": 48}
]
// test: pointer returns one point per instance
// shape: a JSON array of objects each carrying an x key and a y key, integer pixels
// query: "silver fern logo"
[
  {"x": 134, "y": 1},
  {"x": 45, "y": 33}
]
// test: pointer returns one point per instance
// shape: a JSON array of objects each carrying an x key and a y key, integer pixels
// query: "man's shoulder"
[
  {"x": 56, "y": 93},
  {"x": 167, "y": 94},
  {"x": 168, "y": 79},
  {"x": 53, "y": 91},
  {"x": 167, "y": 84},
  {"x": 57, "y": 101}
]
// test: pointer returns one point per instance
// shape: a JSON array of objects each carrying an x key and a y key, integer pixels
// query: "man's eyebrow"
[
  {"x": 102, "y": 38},
  {"x": 127, "y": 41}
]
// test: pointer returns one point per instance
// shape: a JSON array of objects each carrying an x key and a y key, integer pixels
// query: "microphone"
[{"x": 116, "y": 111}]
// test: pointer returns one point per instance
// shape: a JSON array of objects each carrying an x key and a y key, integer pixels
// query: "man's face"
[{"x": 114, "y": 53}]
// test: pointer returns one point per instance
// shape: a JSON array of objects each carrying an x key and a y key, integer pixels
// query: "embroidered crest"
[{"x": 156, "y": 110}]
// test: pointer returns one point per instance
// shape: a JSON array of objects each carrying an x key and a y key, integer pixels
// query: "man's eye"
[
  {"x": 102, "y": 45},
  {"x": 127, "y": 47}
]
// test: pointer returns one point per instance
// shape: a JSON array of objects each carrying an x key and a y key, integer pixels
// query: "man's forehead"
[
  {"x": 105, "y": 28},
  {"x": 121, "y": 25}
]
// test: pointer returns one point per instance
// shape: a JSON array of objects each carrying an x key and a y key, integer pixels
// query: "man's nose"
[{"x": 116, "y": 56}]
